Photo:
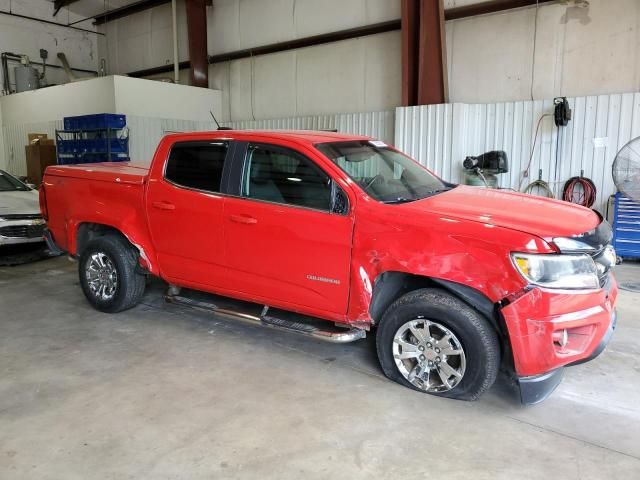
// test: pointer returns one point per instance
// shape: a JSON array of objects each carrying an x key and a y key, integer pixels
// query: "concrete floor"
[{"x": 162, "y": 392}]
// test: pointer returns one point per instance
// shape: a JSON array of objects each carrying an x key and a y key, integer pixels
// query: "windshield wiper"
[
  {"x": 434, "y": 192},
  {"x": 400, "y": 200}
]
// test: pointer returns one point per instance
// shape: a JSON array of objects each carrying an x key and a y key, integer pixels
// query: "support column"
[
  {"x": 197, "y": 33},
  {"x": 409, "y": 39},
  {"x": 424, "y": 79},
  {"x": 432, "y": 78}
]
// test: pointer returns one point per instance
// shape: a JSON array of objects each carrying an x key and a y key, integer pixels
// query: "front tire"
[
  {"x": 431, "y": 341},
  {"x": 108, "y": 274}
]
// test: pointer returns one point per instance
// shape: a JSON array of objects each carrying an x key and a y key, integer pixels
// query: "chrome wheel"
[
  {"x": 102, "y": 276},
  {"x": 429, "y": 355}
]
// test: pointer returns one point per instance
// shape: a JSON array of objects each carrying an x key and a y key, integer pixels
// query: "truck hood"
[
  {"x": 543, "y": 217},
  {"x": 19, "y": 202}
]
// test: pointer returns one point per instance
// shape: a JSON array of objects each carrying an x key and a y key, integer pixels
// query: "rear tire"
[
  {"x": 431, "y": 341},
  {"x": 109, "y": 276}
]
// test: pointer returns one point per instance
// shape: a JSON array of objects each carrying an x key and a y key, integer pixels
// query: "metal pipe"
[
  {"x": 49, "y": 22},
  {"x": 174, "y": 28},
  {"x": 65, "y": 64}
]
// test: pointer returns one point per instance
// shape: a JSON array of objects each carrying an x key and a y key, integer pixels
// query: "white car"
[{"x": 20, "y": 218}]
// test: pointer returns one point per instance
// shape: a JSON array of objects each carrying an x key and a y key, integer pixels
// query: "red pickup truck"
[{"x": 335, "y": 236}]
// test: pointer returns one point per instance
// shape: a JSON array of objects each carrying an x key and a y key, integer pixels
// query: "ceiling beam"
[
  {"x": 127, "y": 10},
  {"x": 491, "y": 6},
  {"x": 58, "y": 4},
  {"x": 482, "y": 8}
]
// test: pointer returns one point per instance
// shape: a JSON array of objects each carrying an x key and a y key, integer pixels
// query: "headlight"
[
  {"x": 557, "y": 271},
  {"x": 572, "y": 245}
]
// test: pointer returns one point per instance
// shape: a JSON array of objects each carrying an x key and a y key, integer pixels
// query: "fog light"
[{"x": 561, "y": 338}]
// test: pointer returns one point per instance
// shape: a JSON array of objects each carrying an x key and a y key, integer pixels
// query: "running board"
[{"x": 327, "y": 335}]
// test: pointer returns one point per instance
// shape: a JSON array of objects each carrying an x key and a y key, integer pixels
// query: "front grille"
[
  {"x": 20, "y": 216},
  {"x": 22, "y": 231}
]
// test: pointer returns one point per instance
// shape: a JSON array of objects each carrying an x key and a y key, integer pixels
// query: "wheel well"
[
  {"x": 91, "y": 231},
  {"x": 390, "y": 286}
]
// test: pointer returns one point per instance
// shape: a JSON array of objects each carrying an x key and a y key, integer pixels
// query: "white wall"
[
  {"x": 350, "y": 76},
  {"x": 80, "y": 98},
  {"x": 112, "y": 94},
  {"x": 578, "y": 51},
  {"x": 152, "y": 109},
  {"x": 22, "y": 36},
  {"x": 358, "y": 75},
  {"x": 146, "y": 98},
  {"x": 143, "y": 40},
  {"x": 239, "y": 24}
]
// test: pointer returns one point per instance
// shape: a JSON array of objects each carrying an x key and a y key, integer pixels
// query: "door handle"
[
  {"x": 164, "y": 205},
  {"x": 246, "y": 219}
]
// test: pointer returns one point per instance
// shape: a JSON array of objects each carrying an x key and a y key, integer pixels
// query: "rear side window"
[{"x": 197, "y": 165}]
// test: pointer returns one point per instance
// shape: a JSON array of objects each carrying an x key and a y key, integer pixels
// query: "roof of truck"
[{"x": 303, "y": 136}]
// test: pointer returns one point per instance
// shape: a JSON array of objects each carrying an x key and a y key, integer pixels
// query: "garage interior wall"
[
  {"x": 27, "y": 36},
  {"x": 515, "y": 55},
  {"x": 43, "y": 110},
  {"x": 358, "y": 75},
  {"x": 441, "y": 136}
]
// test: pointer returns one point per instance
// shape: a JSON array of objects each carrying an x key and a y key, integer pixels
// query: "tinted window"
[
  {"x": 280, "y": 175},
  {"x": 197, "y": 165}
]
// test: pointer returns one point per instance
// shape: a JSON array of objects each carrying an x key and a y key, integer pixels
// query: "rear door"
[
  {"x": 185, "y": 212},
  {"x": 284, "y": 245}
]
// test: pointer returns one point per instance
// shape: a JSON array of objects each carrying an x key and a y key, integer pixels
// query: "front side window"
[
  {"x": 280, "y": 175},
  {"x": 197, "y": 165},
  {"x": 383, "y": 173}
]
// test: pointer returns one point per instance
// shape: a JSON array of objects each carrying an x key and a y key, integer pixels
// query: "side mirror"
[
  {"x": 339, "y": 200},
  {"x": 32, "y": 186}
]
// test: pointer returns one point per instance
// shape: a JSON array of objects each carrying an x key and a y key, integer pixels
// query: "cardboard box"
[
  {"x": 39, "y": 138},
  {"x": 39, "y": 157}
]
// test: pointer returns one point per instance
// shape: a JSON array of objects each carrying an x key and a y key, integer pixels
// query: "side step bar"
[{"x": 327, "y": 335}]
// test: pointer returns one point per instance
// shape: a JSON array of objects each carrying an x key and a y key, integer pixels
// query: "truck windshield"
[
  {"x": 385, "y": 174},
  {"x": 8, "y": 183}
]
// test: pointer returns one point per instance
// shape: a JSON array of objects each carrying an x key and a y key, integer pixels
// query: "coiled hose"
[
  {"x": 580, "y": 190},
  {"x": 541, "y": 185}
]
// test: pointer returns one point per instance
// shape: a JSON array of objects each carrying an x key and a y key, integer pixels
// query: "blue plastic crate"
[
  {"x": 626, "y": 226},
  {"x": 100, "y": 120}
]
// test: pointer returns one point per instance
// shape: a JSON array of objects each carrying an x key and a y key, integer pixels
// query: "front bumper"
[
  {"x": 535, "y": 389},
  {"x": 550, "y": 329}
]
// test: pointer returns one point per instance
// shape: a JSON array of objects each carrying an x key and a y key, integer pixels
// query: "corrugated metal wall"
[
  {"x": 374, "y": 124},
  {"x": 15, "y": 139},
  {"x": 145, "y": 133},
  {"x": 441, "y": 136}
]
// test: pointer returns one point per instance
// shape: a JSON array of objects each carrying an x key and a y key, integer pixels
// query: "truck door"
[
  {"x": 185, "y": 212},
  {"x": 283, "y": 242}
]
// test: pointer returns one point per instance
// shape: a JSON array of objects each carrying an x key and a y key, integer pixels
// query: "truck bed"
[
  {"x": 109, "y": 194},
  {"x": 121, "y": 172}
]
